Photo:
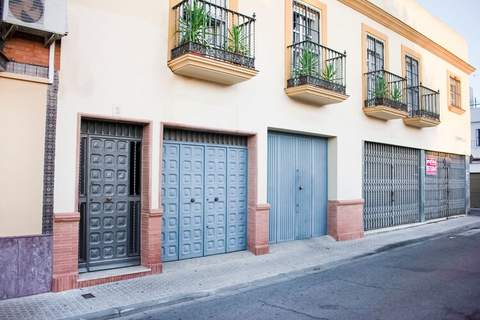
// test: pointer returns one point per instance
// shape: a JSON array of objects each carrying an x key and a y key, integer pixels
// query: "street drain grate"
[{"x": 88, "y": 296}]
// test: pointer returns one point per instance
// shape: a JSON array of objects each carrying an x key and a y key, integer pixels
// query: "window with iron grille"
[
  {"x": 412, "y": 75},
  {"x": 375, "y": 54},
  {"x": 455, "y": 92},
  {"x": 306, "y": 23},
  {"x": 216, "y": 33}
]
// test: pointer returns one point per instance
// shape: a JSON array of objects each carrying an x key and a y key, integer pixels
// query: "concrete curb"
[{"x": 113, "y": 313}]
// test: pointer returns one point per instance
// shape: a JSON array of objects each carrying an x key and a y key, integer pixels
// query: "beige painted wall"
[
  {"x": 123, "y": 72},
  {"x": 22, "y": 112}
]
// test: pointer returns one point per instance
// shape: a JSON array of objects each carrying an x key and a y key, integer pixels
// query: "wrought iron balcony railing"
[
  {"x": 423, "y": 102},
  {"x": 214, "y": 31},
  {"x": 314, "y": 64},
  {"x": 385, "y": 89}
]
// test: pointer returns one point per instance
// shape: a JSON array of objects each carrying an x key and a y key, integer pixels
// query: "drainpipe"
[{"x": 51, "y": 63}]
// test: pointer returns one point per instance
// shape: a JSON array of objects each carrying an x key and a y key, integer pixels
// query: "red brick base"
[
  {"x": 151, "y": 231},
  {"x": 109, "y": 279},
  {"x": 65, "y": 251},
  {"x": 258, "y": 230},
  {"x": 345, "y": 219}
]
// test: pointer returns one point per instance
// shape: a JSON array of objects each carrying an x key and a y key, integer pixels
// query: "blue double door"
[
  {"x": 297, "y": 186},
  {"x": 204, "y": 199}
]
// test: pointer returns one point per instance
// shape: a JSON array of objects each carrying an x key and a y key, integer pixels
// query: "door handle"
[
  {"x": 300, "y": 188},
  {"x": 192, "y": 200},
  {"x": 216, "y": 199},
  {"x": 109, "y": 199}
]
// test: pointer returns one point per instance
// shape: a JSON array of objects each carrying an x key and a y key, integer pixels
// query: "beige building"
[{"x": 190, "y": 128}]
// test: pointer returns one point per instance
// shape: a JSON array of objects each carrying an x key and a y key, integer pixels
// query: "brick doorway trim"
[
  {"x": 257, "y": 216},
  {"x": 66, "y": 225}
]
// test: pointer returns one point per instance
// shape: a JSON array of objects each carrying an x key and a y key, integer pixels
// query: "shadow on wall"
[{"x": 26, "y": 266}]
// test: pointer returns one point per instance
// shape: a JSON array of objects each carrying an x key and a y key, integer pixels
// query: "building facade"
[
  {"x": 475, "y": 155},
  {"x": 240, "y": 124},
  {"x": 29, "y": 66}
]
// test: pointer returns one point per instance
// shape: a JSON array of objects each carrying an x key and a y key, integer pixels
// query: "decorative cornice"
[{"x": 379, "y": 15}]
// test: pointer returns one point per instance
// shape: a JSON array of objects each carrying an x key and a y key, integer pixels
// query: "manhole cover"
[{"x": 88, "y": 296}]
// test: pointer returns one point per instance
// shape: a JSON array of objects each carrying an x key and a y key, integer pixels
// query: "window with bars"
[
  {"x": 455, "y": 92},
  {"x": 477, "y": 137},
  {"x": 306, "y": 23},
  {"x": 412, "y": 75},
  {"x": 375, "y": 54}
]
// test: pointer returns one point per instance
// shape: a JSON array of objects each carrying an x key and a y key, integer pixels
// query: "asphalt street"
[{"x": 432, "y": 279}]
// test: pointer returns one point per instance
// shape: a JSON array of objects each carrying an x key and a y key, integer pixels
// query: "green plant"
[
  {"x": 329, "y": 72},
  {"x": 396, "y": 94},
  {"x": 380, "y": 88},
  {"x": 307, "y": 64},
  {"x": 237, "y": 40},
  {"x": 194, "y": 23}
]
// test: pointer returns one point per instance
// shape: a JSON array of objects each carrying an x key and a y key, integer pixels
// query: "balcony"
[
  {"x": 386, "y": 95},
  {"x": 423, "y": 104},
  {"x": 317, "y": 74},
  {"x": 212, "y": 43}
]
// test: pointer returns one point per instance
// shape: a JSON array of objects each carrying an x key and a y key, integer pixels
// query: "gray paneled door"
[
  {"x": 204, "y": 196},
  {"x": 391, "y": 185},
  {"x": 109, "y": 195},
  {"x": 297, "y": 186},
  {"x": 445, "y": 190}
]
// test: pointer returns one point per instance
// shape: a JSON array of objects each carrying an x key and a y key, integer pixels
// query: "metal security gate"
[
  {"x": 297, "y": 186},
  {"x": 391, "y": 185},
  {"x": 204, "y": 194},
  {"x": 445, "y": 187},
  {"x": 109, "y": 195},
  {"x": 475, "y": 190}
]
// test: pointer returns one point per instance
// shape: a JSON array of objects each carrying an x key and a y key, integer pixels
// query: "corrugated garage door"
[
  {"x": 475, "y": 190},
  {"x": 391, "y": 185},
  {"x": 204, "y": 194},
  {"x": 445, "y": 187},
  {"x": 297, "y": 186}
]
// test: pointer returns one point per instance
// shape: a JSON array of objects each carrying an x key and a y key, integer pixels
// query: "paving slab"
[{"x": 196, "y": 278}]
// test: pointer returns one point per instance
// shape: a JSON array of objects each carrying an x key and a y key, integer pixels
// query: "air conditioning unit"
[{"x": 36, "y": 16}]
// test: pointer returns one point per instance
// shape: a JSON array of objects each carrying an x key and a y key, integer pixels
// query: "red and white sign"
[{"x": 431, "y": 167}]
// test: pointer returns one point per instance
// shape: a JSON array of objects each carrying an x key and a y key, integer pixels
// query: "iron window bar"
[
  {"x": 314, "y": 64},
  {"x": 386, "y": 89},
  {"x": 211, "y": 30},
  {"x": 428, "y": 104}
]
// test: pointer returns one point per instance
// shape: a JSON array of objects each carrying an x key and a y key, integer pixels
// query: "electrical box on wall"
[{"x": 40, "y": 17}]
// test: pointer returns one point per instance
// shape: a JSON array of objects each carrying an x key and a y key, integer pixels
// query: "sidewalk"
[{"x": 190, "y": 279}]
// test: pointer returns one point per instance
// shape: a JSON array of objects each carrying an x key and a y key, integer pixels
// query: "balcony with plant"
[
  {"x": 386, "y": 95},
  {"x": 423, "y": 107},
  {"x": 212, "y": 43},
  {"x": 317, "y": 73}
]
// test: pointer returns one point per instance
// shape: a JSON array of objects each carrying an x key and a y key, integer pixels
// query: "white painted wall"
[{"x": 114, "y": 62}]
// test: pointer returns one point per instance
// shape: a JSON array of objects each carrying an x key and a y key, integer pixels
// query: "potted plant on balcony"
[
  {"x": 380, "y": 92},
  {"x": 307, "y": 64},
  {"x": 194, "y": 26},
  {"x": 237, "y": 40},
  {"x": 328, "y": 76},
  {"x": 396, "y": 94}
]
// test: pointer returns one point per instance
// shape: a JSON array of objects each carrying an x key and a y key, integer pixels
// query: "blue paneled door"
[
  {"x": 297, "y": 186},
  {"x": 204, "y": 197}
]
